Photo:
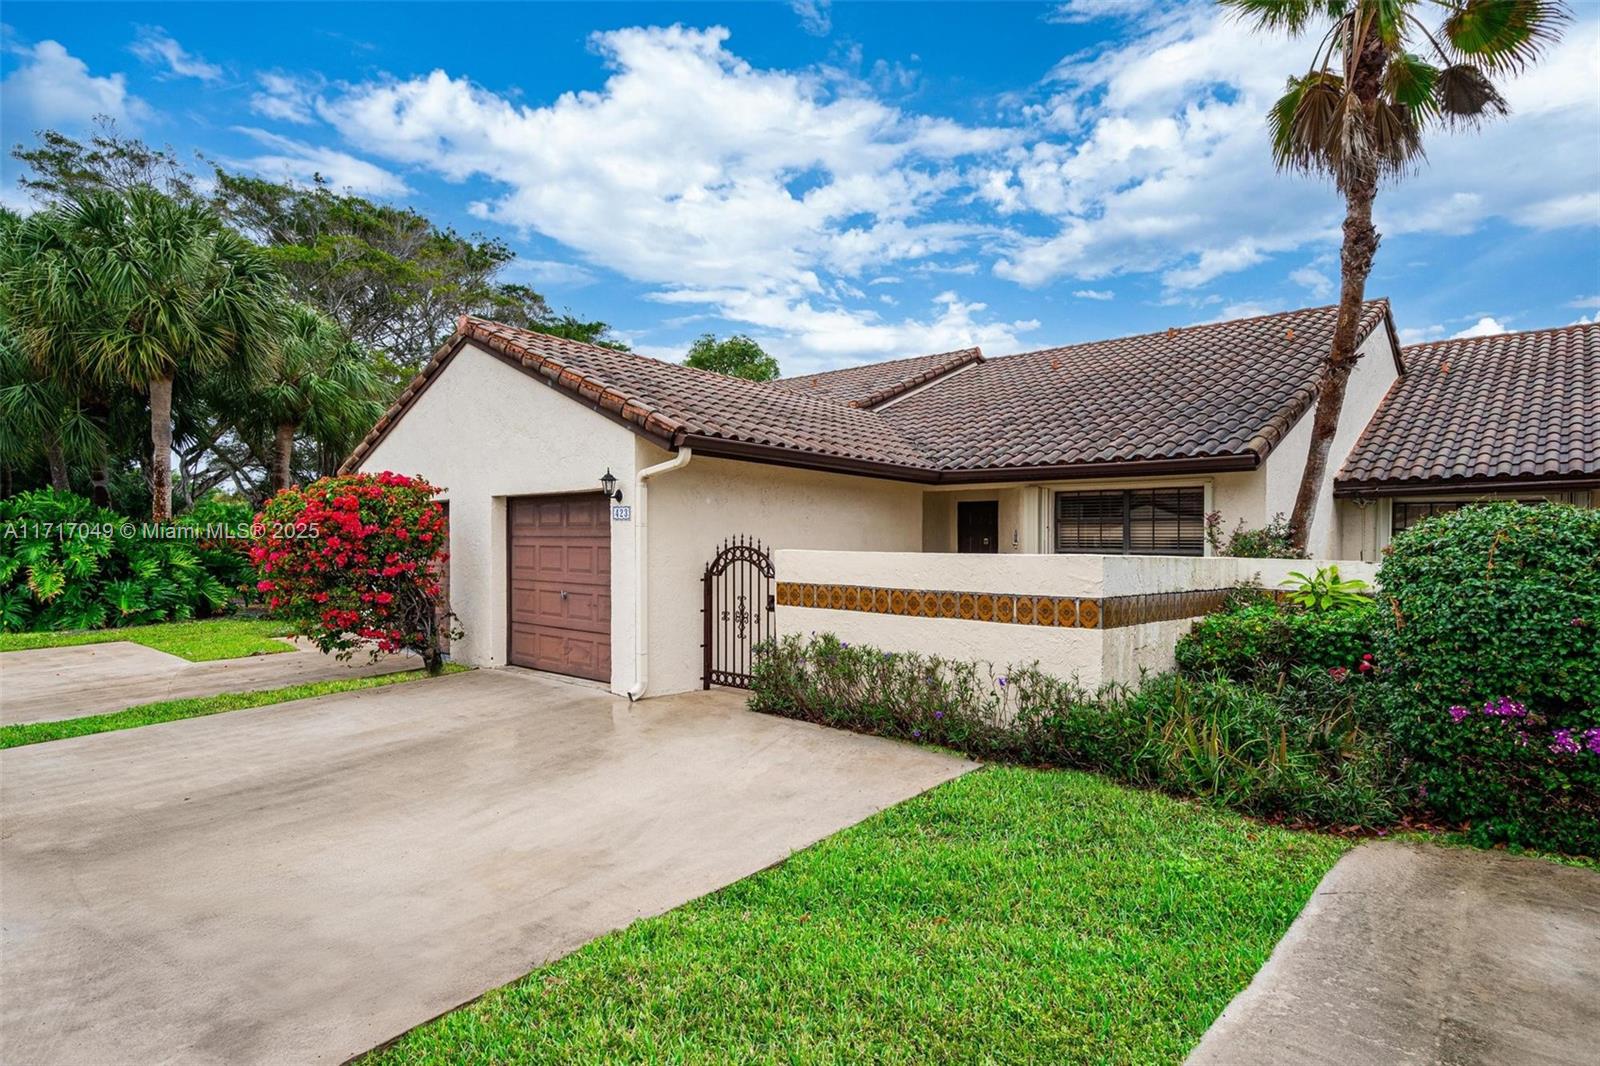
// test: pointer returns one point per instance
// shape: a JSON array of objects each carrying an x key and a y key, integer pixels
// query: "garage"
[{"x": 559, "y": 576}]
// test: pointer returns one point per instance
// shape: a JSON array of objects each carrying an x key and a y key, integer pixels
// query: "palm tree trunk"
[
  {"x": 161, "y": 449},
  {"x": 100, "y": 483},
  {"x": 283, "y": 456},
  {"x": 1355, "y": 263},
  {"x": 60, "y": 478}
]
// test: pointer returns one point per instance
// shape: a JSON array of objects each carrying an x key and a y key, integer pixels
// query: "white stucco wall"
[
  {"x": 694, "y": 509},
  {"x": 485, "y": 431},
  {"x": 1092, "y": 656},
  {"x": 1368, "y": 384}
]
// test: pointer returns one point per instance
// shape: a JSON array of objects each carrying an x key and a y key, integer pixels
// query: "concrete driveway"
[
  {"x": 301, "y": 882},
  {"x": 49, "y": 684},
  {"x": 1413, "y": 953}
]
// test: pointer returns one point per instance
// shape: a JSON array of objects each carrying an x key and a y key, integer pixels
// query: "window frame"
[{"x": 1127, "y": 499}]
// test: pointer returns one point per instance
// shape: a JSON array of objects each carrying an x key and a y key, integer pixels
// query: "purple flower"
[
  {"x": 917, "y": 733},
  {"x": 1591, "y": 740},
  {"x": 1458, "y": 712},
  {"x": 1562, "y": 742},
  {"x": 940, "y": 714},
  {"x": 1505, "y": 707},
  {"x": 1001, "y": 682}
]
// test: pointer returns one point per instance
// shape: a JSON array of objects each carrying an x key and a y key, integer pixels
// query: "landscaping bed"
[{"x": 1010, "y": 915}]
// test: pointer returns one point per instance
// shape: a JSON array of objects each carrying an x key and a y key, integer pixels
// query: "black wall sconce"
[{"x": 608, "y": 486}]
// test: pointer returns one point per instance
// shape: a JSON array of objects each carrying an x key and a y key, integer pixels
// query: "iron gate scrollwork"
[{"x": 739, "y": 610}]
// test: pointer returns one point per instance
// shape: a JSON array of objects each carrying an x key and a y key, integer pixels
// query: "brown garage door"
[{"x": 560, "y": 584}]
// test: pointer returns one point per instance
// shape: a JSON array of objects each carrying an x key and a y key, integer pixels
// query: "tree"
[
  {"x": 1379, "y": 78},
  {"x": 136, "y": 290},
  {"x": 61, "y": 168},
  {"x": 322, "y": 382},
  {"x": 738, "y": 357},
  {"x": 357, "y": 559},
  {"x": 394, "y": 281}
]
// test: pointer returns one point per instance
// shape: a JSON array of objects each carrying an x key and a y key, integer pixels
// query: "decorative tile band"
[{"x": 1015, "y": 608}]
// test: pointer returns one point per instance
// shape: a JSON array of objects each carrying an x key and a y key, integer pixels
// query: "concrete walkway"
[
  {"x": 51, "y": 684},
  {"x": 298, "y": 883},
  {"x": 1412, "y": 953}
]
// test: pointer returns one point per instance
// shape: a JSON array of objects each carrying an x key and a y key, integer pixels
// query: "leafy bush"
[
  {"x": 1303, "y": 751},
  {"x": 1275, "y": 540},
  {"x": 1257, "y": 639},
  {"x": 1495, "y": 651},
  {"x": 356, "y": 559},
  {"x": 1325, "y": 590},
  {"x": 223, "y": 528},
  {"x": 67, "y": 564}
]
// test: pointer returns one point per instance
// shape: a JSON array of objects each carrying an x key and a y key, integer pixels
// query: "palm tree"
[
  {"x": 40, "y": 418},
  {"x": 135, "y": 289},
  {"x": 1379, "y": 77},
  {"x": 324, "y": 383}
]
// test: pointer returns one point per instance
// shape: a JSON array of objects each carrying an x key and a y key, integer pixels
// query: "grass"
[
  {"x": 14, "y": 736},
  {"x": 1011, "y": 915},
  {"x": 214, "y": 638}
]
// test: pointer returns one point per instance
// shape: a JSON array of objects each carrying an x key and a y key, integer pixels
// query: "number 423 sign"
[{"x": 622, "y": 512}]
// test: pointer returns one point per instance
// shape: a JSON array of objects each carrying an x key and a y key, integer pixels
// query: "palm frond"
[
  {"x": 1465, "y": 96},
  {"x": 1409, "y": 82},
  {"x": 1504, "y": 35},
  {"x": 1290, "y": 16}
]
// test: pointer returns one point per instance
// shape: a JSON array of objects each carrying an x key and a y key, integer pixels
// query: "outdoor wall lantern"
[{"x": 608, "y": 486}]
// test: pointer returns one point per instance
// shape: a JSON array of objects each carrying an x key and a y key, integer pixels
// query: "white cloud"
[
  {"x": 1585, "y": 301},
  {"x": 1418, "y": 334},
  {"x": 755, "y": 192},
  {"x": 157, "y": 47},
  {"x": 52, "y": 87},
  {"x": 1076, "y": 11},
  {"x": 549, "y": 272},
  {"x": 285, "y": 98},
  {"x": 1168, "y": 167},
  {"x": 815, "y": 18},
  {"x": 1094, "y": 294},
  {"x": 1484, "y": 327},
  {"x": 1318, "y": 284},
  {"x": 298, "y": 161}
]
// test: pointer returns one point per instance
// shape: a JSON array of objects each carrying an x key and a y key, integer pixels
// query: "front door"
[
  {"x": 559, "y": 584},
  {"x": 978, "y": 527}
]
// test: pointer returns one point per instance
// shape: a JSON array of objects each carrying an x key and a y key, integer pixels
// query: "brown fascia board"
[
  {"x": 1444, "y": 486},
  {"x": 720, "y": 448}
]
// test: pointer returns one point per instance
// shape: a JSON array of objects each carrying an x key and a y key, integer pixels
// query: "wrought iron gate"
[{"x": 739, "y": 610}]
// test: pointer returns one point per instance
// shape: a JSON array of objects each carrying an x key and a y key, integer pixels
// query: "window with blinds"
[
  {"x": 1132, "y": 522},
  {"x": 1408, "y": 513}
]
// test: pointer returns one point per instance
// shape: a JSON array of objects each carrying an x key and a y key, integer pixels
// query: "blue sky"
[{"x": 847, "y": 182}]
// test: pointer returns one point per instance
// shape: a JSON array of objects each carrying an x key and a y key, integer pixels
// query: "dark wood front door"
[
  {"x": 559, "y": 579},
  {"x": 978, "y": 527}
]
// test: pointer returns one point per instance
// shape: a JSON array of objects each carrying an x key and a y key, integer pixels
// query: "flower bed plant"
[
  {"x": 1495, "y": 656},
  {"x": 1255, "y": 638},
  {"x": 1304, "y": 749},
  {"x": 355, "y": 560}
]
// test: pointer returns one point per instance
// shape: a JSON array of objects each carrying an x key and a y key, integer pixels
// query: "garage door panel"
[{"x": 560, "y": 585}]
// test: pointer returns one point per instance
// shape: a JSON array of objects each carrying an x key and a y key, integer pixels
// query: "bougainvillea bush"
[
  {"x": 353, "y": 562},
  {"x": 1494, "y": 669}
]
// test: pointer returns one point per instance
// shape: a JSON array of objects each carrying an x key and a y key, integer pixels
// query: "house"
[
  {"x": 1514, "y": 416},
  {"x": 1117, "y": 447}
]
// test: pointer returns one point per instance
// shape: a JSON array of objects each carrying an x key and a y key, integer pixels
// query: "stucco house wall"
[
  {"x": 1369, "y": 382},
  {"x": 485, "y": 431},
  {"x": 693, "y": 509}
]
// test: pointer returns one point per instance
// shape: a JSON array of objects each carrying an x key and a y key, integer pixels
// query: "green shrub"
[
  {"x": 1275, "y": 540},
  {"x": 1302, "y": 748},
  {"x": 1258, "y": 639},
  {"x": 67, "y": 564},
  {"x": 1495, "y": 655},
  {"x": 226, "y": 557}
]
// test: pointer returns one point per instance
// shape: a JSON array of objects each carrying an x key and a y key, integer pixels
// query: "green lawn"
[
  {"x": 216, "y": 638},
  {"x": 1012, "y": 915},
  {"x": 13, "y": 736}
]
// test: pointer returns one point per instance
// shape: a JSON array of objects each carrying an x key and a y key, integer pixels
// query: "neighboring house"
[
  {"x": 1514, "y": 416},
  {"x": 1118, "y": 446}
]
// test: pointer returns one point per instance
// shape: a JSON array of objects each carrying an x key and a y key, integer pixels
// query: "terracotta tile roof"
[
  {"x": 1209, "y": 397},
  {"x": 876, "y": 383},
  {"x": 1515, "y": 407},
  {"x": 671, "y": 402},
  {"x": 1224, "y": 391}
]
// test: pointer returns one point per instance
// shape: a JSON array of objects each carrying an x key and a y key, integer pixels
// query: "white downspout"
[{"x": 641, "y": 578}]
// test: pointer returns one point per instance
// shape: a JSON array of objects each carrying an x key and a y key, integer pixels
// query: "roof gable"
[{"x": 873, "y": 384}]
